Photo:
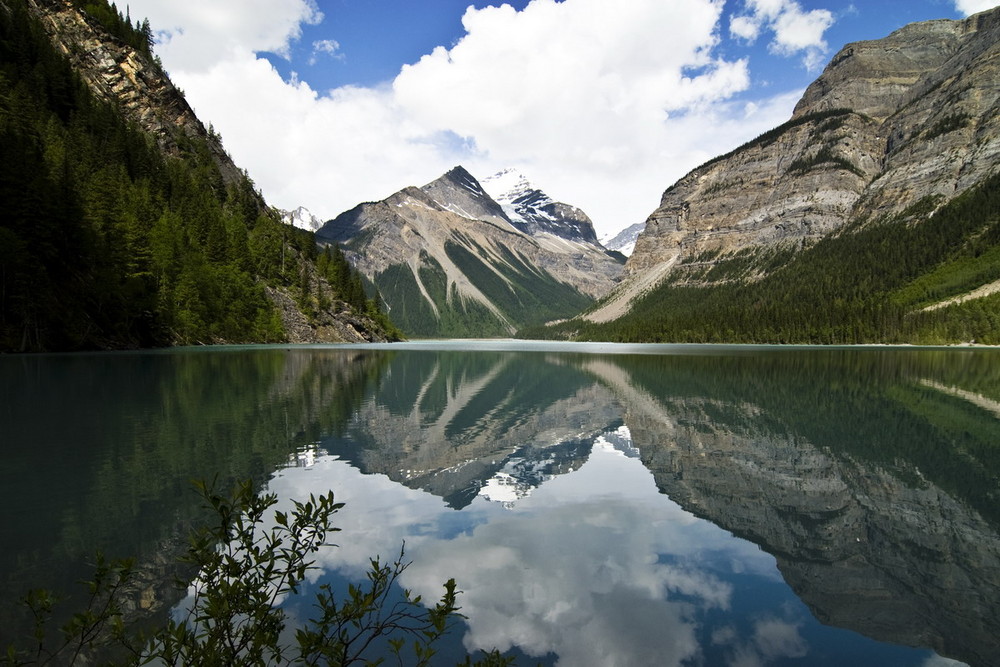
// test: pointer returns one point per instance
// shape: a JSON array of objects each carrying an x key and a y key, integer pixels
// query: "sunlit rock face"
[
  {"x": 117, "y": 73},
  {"x": 450, "y": 260},
  {"x": 888, "y": 123},
  {"x": 875, "y": 549}
]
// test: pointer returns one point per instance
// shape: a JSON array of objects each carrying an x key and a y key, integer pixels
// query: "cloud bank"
[
  {"x": 602, "y": 104},
  {"x": 969, "y": 7}
]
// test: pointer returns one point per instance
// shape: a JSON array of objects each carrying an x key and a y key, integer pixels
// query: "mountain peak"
[
  {"x": 534, "y": 212},
  {"x": 458, "y": 191},
  {"x": 460, "y": 176},
  {"x": 302, "y": 218}
]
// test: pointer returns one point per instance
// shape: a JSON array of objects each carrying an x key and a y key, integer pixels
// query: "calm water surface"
[{"x": 597, "y": 504}]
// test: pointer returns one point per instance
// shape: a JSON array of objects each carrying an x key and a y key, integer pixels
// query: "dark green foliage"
[
  {"x": 451, "y": 315},
  {"x": 949, "y": 123},
  {"x": 347, "y": 284},
  {"x": 528, "y": 296},
  {"x": 904, "y": 419},
  {"x": 408, "y": 307},
  {"x": 245, "y": 563},
  {"x": 138, "y": 36},
  {"x": 521, "y": 293},
  {"x": 824, "y": 157},
  {"x": 108, "y": 243},
  {"x": 863, "y": 285},
  {"x": 769, "y": 137}
]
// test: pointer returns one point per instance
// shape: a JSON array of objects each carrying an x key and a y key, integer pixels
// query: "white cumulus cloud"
[
  {"x": 603, "y": 105},
  {"x": 330, "y": 47},
  {"x": 795, "y": 31},
  {"x": 193, "y": 35},
  {"x": 969, "y": 7}
]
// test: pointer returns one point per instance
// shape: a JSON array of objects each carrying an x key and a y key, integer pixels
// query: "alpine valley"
[{"x": 871, "y": 216}]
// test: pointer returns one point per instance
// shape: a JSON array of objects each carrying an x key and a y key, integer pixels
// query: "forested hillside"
[
  {"x": 107, "y": 241},
  {"x": 881, "y": 281}
]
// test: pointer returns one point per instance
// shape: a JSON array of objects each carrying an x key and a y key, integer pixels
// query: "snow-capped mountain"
[
  {"x": 624, "y": 241},
  {"x": 301, "y": 218},
  {"x": 532, "y": 211},
  {"x": 450, "y": 260}
]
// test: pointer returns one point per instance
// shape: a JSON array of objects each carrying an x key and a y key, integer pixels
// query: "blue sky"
[{"x": 329, "y": 103}]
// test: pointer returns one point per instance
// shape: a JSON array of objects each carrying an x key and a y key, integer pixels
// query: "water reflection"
[
  {"x": 99, "y": 452},
  {"x": 873, "y": 487},
  {"x": 693, "y": 505}
]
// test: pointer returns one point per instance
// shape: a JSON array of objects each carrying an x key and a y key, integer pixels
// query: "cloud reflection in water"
[{"x": 595, "y": 566}]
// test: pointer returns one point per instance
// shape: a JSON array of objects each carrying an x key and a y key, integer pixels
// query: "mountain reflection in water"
[{"x": 656, "y": 505}]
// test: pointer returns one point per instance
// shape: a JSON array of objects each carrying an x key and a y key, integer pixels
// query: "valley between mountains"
[{"x": 871, "y": 216}]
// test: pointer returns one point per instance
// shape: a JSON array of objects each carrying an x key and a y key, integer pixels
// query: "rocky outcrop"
[
  {"x": 888, "y": 123},
  {"x": 338, "y": 325},
  {"x": 118, "y": 73}
]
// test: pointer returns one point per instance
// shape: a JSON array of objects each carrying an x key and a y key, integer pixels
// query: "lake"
[{"x": 597, "y": 504}]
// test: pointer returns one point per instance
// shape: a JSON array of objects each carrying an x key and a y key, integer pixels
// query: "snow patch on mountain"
[
  {"x": 506, "y": 187},
  {"x": 624, "y": 241},
  {"x": 301, "y": 218},
  {"x": 533, "y": 212}
]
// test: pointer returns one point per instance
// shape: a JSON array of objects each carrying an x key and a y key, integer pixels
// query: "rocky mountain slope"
[
  {"x": 624, "y": 241},
  {"x": 120, "y": 74},
  {"x": 450, "y": 260},
  {"x": 301, "y": 218},
  {"x": 126, "y": 222},
  {"x": 911, "y": 118}
]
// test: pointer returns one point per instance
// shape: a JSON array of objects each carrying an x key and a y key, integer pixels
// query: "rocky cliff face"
[
  {"x": 889, "y": 122},
  {"x": 117, "y": 73},
  {"x": 448, "y": 260}
]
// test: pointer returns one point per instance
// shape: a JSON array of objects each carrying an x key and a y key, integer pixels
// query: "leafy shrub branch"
[{"x": 247, "y": 561}]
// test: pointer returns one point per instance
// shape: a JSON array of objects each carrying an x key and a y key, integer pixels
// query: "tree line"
[
  {"x": 868, "y": 283},
  {"x": 106, "y": 242}
]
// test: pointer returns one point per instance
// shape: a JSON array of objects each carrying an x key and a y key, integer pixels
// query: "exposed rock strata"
[
  {"x": 415, "y": 228},
  {"x": 889, "y": 122},
  {"x": 115, "y": 72}
]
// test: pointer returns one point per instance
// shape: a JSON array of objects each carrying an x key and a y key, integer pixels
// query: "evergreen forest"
[
  {"x": 875, "y": 281},
  {"x": 107, "y": 241}
]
